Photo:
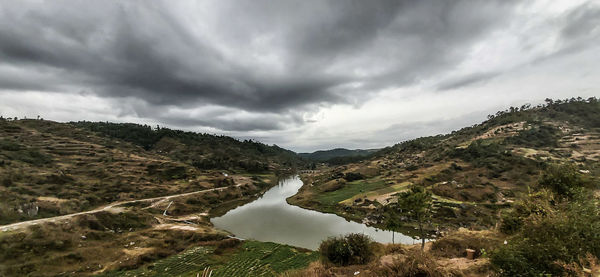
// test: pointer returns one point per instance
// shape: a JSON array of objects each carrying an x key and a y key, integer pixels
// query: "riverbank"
[
  {"x": 271, "y": 218},
  {"x": 367, "y": 213},
  {"x": 366, "y": 201}
]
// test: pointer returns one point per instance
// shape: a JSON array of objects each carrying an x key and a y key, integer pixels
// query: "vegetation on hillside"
[
  {"x": 552, "y": 227},
  {"x": 476, "y": 176},
  {"x": 338, "y": 156},
  {"x": 203, "y": 151},
  {"x": 49, "y": 169}
]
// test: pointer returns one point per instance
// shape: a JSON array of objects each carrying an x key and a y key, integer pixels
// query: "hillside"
[
  {"x": 337, "y": 154},
  {"x": 203, "y": 151},
  {"x": 75, "y": 200},
  {"x": 49, "y": 168},
  {"x": 473, "y": 173}
]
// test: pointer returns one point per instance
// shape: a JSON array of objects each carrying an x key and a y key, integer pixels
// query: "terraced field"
[
  {"x": 252, "y": 258},
  {"x": 78, "y": 170}
]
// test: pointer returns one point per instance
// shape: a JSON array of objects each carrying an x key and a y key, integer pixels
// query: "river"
[{"x": 271, "y": 218}]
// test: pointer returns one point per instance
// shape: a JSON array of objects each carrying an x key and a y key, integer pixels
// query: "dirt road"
[{"x": 25, "y": 224}]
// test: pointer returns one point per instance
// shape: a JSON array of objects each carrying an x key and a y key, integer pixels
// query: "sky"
[{"x": 305, "y": 75}]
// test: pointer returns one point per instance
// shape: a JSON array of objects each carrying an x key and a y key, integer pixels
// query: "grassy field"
[
  {"x": 351, "y": 189},
  {"x": 376, "y": 193},
  {"x": 251, "y": 258}
]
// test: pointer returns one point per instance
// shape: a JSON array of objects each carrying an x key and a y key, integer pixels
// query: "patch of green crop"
[
  {"x": 192, "y": 260},
  {"x": 265, "y": 259},
  {"x": 253, "y": 258},
  {"x": 351, "y": 189}
]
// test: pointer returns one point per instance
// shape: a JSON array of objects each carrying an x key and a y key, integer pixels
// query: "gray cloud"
[
  {"x": 148, "y": 51},
  {"x": 467, "y": 80},
  {"x": 582, "y": 22},
  {"x": 262, "y": 64}
]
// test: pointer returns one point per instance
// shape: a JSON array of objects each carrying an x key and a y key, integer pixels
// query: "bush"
[
  {"x": 226, "y": 244},
  {"x": 510, "y": 223},
  {"x": 9, "y": 145},
  {"x": 7, "y": 181},
  {"x": 347, "y": 250},
  {"x": 352, "y": 176},
  {"x": 548, "y": 238},
  {"x": 564, "y": 179}
]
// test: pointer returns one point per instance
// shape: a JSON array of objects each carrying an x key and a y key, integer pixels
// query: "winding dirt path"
[{"x": 24, "y": 224}]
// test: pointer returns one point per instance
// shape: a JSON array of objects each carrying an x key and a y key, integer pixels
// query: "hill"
[
  {"x": 88, "y": 198},
  {"x": 473, "y": 173},
  {"x": 327, "y": 155},
  {"x": 203, "y": 151},
  {"x": 49, "y": 168}
]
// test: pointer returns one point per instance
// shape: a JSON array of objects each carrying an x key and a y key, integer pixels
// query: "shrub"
[
  {"x": 7, "y": 181},
  {"x": 347, "y": 250},
  {"x": 9, "y": 145},
  {"x": 510, "y": 223},
  {"x": 564, "y": 179},
  {"x": 226, "y": 244},
  {"x": 352, "y": 176},
  {"x": 548, "y": 237}
]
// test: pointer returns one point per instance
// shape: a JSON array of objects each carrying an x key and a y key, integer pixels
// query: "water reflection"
[{"x": 271, "y": 218}]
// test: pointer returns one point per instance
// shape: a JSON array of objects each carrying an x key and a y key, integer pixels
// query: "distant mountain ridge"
[{"x": 324, "y": 155}]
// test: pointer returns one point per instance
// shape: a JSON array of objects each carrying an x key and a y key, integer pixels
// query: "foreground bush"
[
  {"x": 348, "y": 250},
  {"x": 562, "y": 232}
]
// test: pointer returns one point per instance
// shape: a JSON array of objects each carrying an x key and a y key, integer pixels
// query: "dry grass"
[
  {"x": 416, "y": 263},
  {"x": 454, "y": 245},
  {"x": 588, "y": 266}
]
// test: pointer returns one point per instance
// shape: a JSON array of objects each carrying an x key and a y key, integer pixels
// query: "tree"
[
  {"x": 393, "y": 224},
  {"x": 417, "y": 204}
]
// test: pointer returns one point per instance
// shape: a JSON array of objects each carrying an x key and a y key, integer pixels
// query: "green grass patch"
[
  {"x": 351, "y": 189},
  {"x": 393, "y": 188},
  {"x": 389, "y": 189}
]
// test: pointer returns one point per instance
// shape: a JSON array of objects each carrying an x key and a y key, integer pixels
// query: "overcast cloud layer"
[{"x": 305, "y": 75}]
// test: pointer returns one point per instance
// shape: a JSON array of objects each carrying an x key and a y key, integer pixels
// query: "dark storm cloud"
[
  {"x": 582, "y": 22},
  {"x": 269, "y": 59},
  {"x": 470, "y": 79},
  {"x": 261, "y": 123}
]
